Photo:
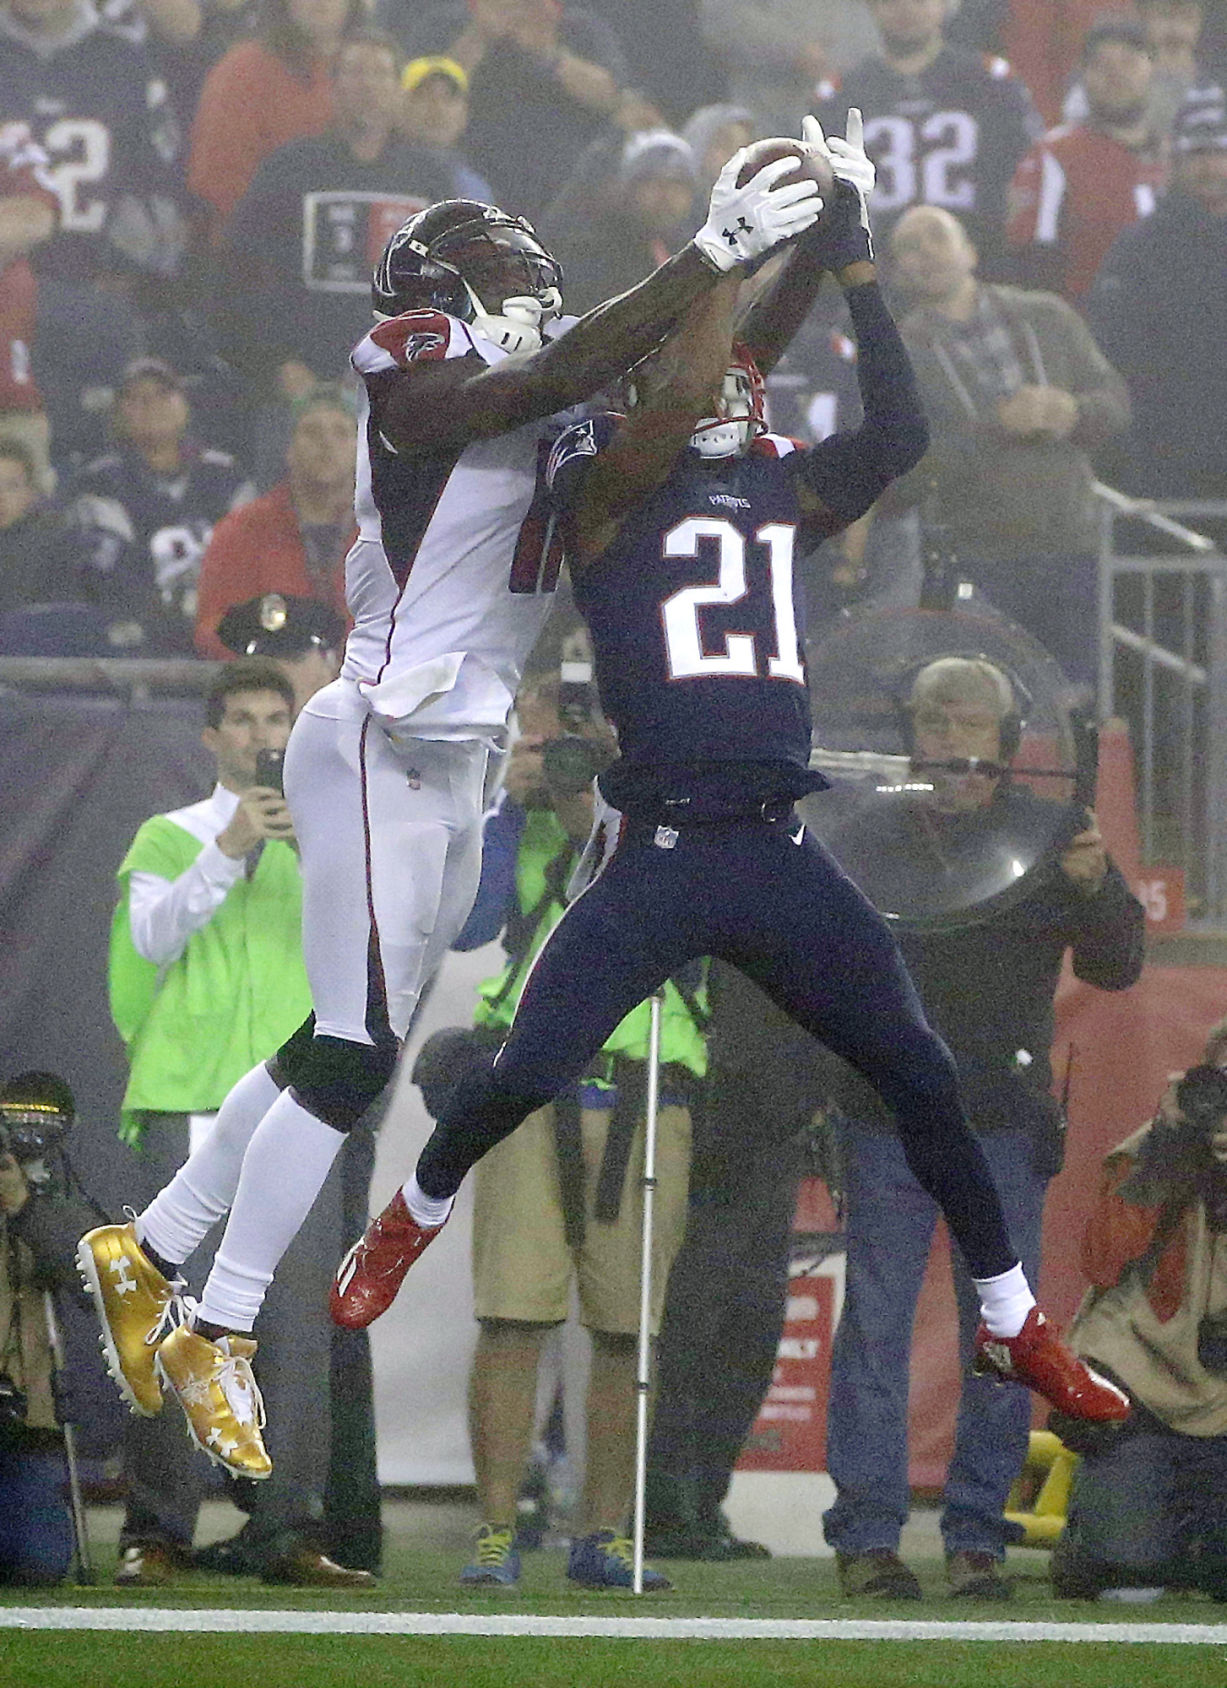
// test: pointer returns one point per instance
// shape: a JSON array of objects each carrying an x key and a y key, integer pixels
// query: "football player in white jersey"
[{"x": 448, "y": 584}]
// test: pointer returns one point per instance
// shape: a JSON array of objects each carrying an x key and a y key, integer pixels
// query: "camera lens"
[
  {"x": 1201, "y": 1097},
  {"x": 570, "y": 764}
]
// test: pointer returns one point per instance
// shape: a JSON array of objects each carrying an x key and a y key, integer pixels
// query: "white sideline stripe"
[{"x": 224, "y": 1621}]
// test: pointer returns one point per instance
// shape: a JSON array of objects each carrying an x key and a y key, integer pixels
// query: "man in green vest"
[
  {"x": 206, "y": 979},
  {"x": 560, "y": 1200}
]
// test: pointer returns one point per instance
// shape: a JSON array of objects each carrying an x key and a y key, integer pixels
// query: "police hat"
[{"x": 276, "y": 624}]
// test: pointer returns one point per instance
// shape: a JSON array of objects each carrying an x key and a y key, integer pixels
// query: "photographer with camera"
[
  {"x": 39, "y": 1226},
  {"x": 206, "y": 981},
  {"x": 1149, "y": 1506},
  {"x": 559, "y": 1200},
  {"x": 988, "y": 988}
]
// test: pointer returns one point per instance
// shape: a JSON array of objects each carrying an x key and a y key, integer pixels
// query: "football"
[{"x": 810, "y": 165}]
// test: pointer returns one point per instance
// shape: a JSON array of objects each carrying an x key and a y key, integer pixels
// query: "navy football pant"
[{"x": 781, "y": 911}]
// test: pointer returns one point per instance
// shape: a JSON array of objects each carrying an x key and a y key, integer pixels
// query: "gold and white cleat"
[
  {"x": 213, "y": 1383},
  {"x": 134, "y": 1303}
]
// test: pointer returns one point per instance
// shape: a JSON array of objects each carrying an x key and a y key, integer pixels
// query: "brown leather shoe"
[
  {"x": 304, "y": 1567},
  {"x": 151, "y": 1565},
  {"x": 977, "y": 1576},
  {"x": 876, "y": 1575}
]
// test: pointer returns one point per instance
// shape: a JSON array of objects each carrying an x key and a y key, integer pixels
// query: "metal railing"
[
  {"x": 1163, "y": 668},
  {"x": 135, "y": 679}
]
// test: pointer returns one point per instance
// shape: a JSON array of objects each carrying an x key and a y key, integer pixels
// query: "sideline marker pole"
[{"x": 643, "y": 1371}]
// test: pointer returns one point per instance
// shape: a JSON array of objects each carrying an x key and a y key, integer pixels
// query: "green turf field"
[
  {"x": 423, "y": 1581},
  {"x": 71, "y": 1661}
]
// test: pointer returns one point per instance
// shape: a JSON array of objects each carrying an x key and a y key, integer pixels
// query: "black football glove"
[{"x": 839, "y": 237}]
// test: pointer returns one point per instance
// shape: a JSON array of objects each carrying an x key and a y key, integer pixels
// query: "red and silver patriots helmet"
[
  {"x": 740, "y": 414},
  {"x": 473, "y": 262}
]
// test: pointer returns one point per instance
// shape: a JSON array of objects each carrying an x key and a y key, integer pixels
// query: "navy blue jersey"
[
  {"x": 951, "y": 136},
  {"x": 98, "y": 107},
  {"x": 695, "y": 621},
  {"x": 144, "y": 536}
]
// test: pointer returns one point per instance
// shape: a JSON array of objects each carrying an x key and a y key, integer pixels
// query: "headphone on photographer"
[{"x": 1011, "y": 699}]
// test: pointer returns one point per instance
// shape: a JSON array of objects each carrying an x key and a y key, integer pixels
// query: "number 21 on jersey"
[{"x": 681, "y": 613}]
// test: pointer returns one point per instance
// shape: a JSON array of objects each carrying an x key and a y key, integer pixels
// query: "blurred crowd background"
[{"x": 192, "y": 194}]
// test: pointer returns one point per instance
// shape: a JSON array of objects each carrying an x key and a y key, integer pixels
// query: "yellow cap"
[{"x": 417, "y": 70}]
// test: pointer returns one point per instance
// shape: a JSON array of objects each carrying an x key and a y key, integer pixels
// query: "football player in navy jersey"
[{"x": 681, "y": 520}]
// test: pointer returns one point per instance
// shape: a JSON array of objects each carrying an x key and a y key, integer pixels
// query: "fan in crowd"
[
  {"x": 294, "y": 538},
  {"x": 145, "y": 513}
]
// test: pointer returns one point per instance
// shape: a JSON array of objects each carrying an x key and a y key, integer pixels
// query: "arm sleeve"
[
  {"x": 164, "y": 913},
  {"x": 1109, "y": 946},
  {"x": 850, "y": 471},
  {"x": 1101, "y": 394}
]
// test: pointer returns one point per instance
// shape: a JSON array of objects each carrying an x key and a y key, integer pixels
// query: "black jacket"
[
  {"x": 988, "y": 990},
  {"x": 1159, "y": 310}
]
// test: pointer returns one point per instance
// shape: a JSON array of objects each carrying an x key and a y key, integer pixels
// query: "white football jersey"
[{"x": 455, "y": 564}]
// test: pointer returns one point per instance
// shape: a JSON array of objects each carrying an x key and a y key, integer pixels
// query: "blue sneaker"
[
  {"x": 607, "y": 1560},
  {"x": 496, "y": 1564}
]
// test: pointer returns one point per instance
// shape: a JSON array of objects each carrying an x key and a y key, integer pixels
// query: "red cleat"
[
  {"x": 1038, "y": 1358},
  {"x": 372, "y": 1272}
]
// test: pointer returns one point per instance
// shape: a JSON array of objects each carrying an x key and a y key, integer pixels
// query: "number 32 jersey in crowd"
[
  {"x": 451, "y": 576},
  {"x": 96, "y": 104},
  {"x": 695, "y": 620},
  {"x": 951, "y": 135}
]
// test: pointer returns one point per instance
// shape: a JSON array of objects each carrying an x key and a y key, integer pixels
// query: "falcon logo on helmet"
[{"x": 473, "y": 262}]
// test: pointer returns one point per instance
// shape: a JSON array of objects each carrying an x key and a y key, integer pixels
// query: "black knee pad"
[
  {"x": 282, "y": 1066},
  {"x": 335, "y": 1080}
]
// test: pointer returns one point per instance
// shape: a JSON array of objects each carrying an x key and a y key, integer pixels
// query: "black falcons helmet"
[{"x": 429, "y": 259}]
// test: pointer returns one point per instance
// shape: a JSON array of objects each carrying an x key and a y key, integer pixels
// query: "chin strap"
[{"x": 517, "y": 327}]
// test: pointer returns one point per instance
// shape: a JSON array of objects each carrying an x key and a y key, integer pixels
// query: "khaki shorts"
[{"x": 522, "y": 1266}]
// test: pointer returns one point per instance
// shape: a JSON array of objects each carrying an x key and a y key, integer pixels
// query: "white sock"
[
  {"x": 182, "y": 1214},
  {"x": 284, "y": 1169},
  {"x": 429, "y": 1211},
  {"x": 1005, "y": 1301}
]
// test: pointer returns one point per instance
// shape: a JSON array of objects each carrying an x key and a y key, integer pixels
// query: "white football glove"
[
  {"x": 848, "y": 158},
  {"x": 744, "y": 223}
]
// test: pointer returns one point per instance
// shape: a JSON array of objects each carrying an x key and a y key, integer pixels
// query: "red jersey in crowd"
[
  {"x": 262, "y": 548},
  {"x": 22, "y": 175},
  {"x": 1072, "y": 195}
]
